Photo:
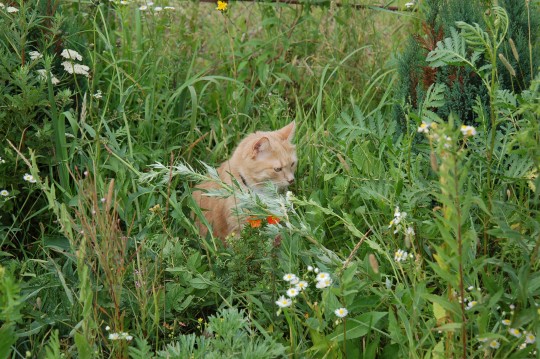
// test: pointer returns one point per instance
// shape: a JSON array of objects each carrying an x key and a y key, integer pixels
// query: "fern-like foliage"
[{"x": 452, "y": 51}]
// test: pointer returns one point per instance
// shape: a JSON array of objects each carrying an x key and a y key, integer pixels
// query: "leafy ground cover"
[{"x": 413, "y": 229}]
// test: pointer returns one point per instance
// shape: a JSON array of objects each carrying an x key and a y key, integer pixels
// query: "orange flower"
[
  {"x": 254, "y": 222},
  {"x": 272, "y": 220}
]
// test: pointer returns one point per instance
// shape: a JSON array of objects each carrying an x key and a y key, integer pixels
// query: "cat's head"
[{"x": 267, "y": 156}]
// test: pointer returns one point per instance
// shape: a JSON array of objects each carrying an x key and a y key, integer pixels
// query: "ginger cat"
[{"x": 259, "y": 158}]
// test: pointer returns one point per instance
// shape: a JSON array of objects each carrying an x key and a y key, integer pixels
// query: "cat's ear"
[
  {"x": 287, "y": 132},
  {"x": 261, "y": 146}
]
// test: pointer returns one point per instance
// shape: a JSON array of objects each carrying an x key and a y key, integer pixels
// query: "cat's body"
[{"x": 259, "y": 158}]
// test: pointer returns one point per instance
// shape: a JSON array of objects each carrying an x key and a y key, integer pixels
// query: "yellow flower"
[{"x": 222, "y": 6}]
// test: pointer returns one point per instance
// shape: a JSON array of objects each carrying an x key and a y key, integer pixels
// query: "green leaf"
[
  {"x": 83, "y": 347},
  {"x": 7, "y": 339},
  {"x": 357, "y": 327}
]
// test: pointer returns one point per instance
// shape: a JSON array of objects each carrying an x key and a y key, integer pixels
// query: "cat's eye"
[
  {"x": 277, "y": 169},
  {"x": 292, "y": 164}
]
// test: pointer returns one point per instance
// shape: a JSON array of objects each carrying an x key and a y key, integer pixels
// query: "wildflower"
[
  {"x": 4, "y": 193},
  {"x": 2, "y": 160},
  {"x": 200, "y": 320},
  {"x": 222, "y": 6},
  {"x": 512, "y": 307},
  {"x": 302, "y": 285},
  {"x": 76, "y": 68},
  {"x": 310, "y": 268},
  {"x": 283, "y": 302},
  {"x": 522, "y": 346},
  {"x": 409, "y": 4},
  {"x": 12, "y": 9},
  {"x": 169, "y": 8},
  {"x": 43, "y": 76},
  {"x": 114, "y": 336},
  {"x": 98, "y": 95},
  {"x": 341, "y": 312},
  {"x": 424, "y": 127},
  {"x": 35, "y": 55},
  {"x": 129, "y": 338},
  {"x": 71, "y": 55},
  {"x": 289, "y": 277},
  {"x": 515, "y": 332},
  {"x": 143, "y": 7},
  {"x": 322, "y": 276},
  {"x": 483, "y": 340},
  {"x": 468, "y": 130},
  {"x": 506, "y": 321},
  {"x": 158, "y": 8},
  {"x": 2, "y": 5},
  {"x": 316, "y": 270},
  {"x": 409, "y": 232},
  {"x": 29, "y": 178},
  {"x": 400, "y": 255},
  {"x": 272, "y": 220},
  {"x": 324, "y": 283},
  {"x": 471, "y": 304},
  {"x": 294, "y": 281},
  {"x": 292, "y": 292},
  {"x": 530, "y": 338},
  {"x": 123, "y": 2},
  {"x": 289, "y": 196},
  {"x": 103, "y": 200},
  {"x": 494, "y": 344},
  {"x": 107, "y": 328},
  {"x": 254, "y": 222}
]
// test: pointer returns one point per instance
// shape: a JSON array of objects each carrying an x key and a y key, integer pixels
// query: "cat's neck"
[{"x": 228, "y": 169}]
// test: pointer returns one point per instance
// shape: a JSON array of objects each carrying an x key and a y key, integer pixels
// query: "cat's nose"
[{"x": 291, "y": 181}]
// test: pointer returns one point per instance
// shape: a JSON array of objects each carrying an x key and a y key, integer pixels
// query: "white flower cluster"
[
  {"x": 43, "y": 76},
  {"x": 9, "y": 9},
  {"x": 149, "y": 5},
  {"x": 119, "y": 336},
  {"x": 323, "y": 280},
  {"x": 70, "y": 66}
]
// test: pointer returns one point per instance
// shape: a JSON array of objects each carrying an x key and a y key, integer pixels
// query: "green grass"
[{"x": 104, "y": 241}]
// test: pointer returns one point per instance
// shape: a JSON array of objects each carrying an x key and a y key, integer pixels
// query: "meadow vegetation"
[{"x": 412, "y": 231}]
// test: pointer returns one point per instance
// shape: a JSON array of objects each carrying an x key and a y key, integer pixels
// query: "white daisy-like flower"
[
  {"x": 283, "y": 302},
  {"x": 168, "y": 8},
  {"x": 29, "y": 178},
  {"x": 310, "y": 268},
  {"x": 515, "y": 332},
  {"x": 483, "y": 339},
  {"x": 4, "y": 193},
  {"x": 302, "y": 285},
  {"x": 424, "y": 127},
  {"x": 71, "y": 55},
  {"x": 468, "y": 130},
  {"x": 322, "y": 276},
  {"x": 341, "y": 312},
  {"x": 294, "y": 281},
  {"x": 292, "y": 292},
  {"x": 400, "y": 255},
  {"x": 530, "y": 338},
  {"x": 324, "y": 283},
  {"x": 494, "y": 344},
  {"x": 12, "y": 9},
  {"x": 288, "y": 277},
  {"x": 114, "y": 336},
  {"x": 129, "y": 338},
  {"x": 35, "y": 55},
  {"x": 409, "y": 4},
  {"x": 506, "y": 322},
  {"x": 143, "y": 7},
  {"x": 469, "y": 288},
  {"x": 522, "y": 346},
  {"x": 158, "y": 9},
  {"x": 98, "y": 95},
  {"x": 471, "y": 304}
]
